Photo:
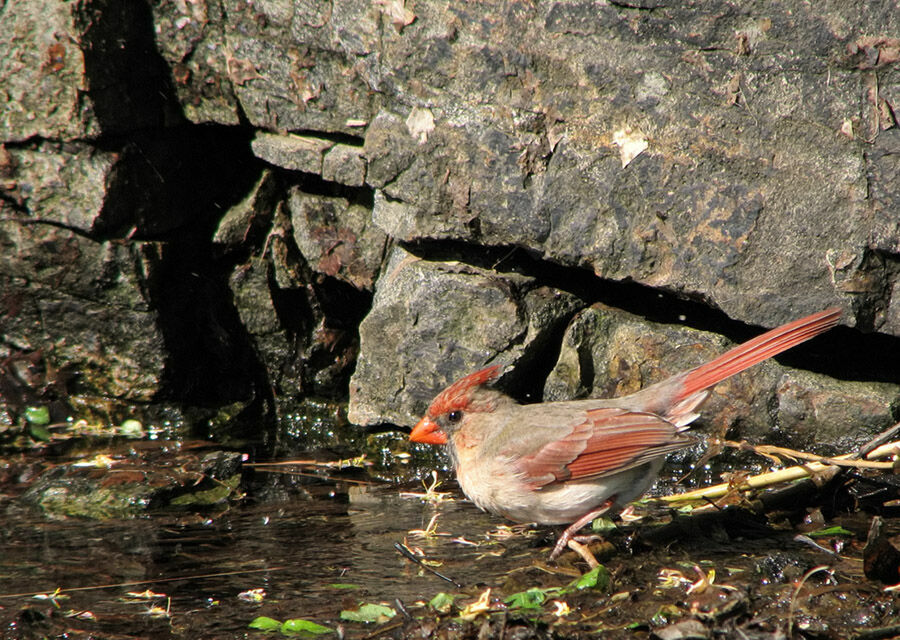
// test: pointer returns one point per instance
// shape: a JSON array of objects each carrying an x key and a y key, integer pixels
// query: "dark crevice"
[
  {"x": 644, "y": 5},
  {"x": 211, "y": 357},
  {"x": 314, "y": 184},
  {"x": 50, "y": 223},
  {"x": 843, "y": 353},
  {"x": 526, "y": 383},
  {"x": 171, "y": 183},
  {"x": 15, "y": 205},
  {"x": 879, "y": 269},
  {"x": 129, "y": 83},
  {"x": 176, "y": 182},
  {"x": 343, "y": 308},
  {"x": 210, "y": 360}
]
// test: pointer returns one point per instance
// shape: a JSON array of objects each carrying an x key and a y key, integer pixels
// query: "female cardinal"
[{"x": 569, "y": 462}]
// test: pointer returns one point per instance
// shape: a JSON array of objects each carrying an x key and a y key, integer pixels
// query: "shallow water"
[
  {"x": 324, "y": 548},
  {"x": 319, "y": 545}
]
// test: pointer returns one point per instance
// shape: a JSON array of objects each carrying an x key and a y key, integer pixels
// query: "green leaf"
[
  {"x": 297, "y": 625},
  {"x": 442, "y": 602},
  {"x": 603, "y": 525},
  {"x": 531, "y": 599},
  {"x": 830, "y": 531},
  {"x": 264, "y": 623},
  {"x": 39, "y": 432},
  {"x": 369, "y": 613},
  {"x": 596, "y": 578},
  {"x": 635, "y": 625},
  {"x": 37, "y": 415},
  {"x": 342, "y": 585},
  {"x": 666, "y": 614}
]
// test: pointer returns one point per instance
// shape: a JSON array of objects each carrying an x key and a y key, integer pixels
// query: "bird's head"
[{"x": 449, "y": 409}]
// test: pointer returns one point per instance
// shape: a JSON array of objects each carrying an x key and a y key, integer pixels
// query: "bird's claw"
[{"x": 566, "y": 538}]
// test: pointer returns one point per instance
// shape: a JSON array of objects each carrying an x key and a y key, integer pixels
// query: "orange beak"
[{"x": 427, "y": 431}]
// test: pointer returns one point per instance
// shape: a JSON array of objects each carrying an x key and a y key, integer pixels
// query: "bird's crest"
[{"x": 458, "y": 395}]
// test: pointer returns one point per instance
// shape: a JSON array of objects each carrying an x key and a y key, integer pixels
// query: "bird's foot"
[
  {"x": 579, "y": 547},
  {"x": 572, "y": 529}
]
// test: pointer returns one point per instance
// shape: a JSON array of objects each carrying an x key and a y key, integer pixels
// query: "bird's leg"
[{"x": 570, "y": 532}]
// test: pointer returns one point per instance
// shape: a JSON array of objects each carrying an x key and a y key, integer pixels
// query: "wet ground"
[{"x": 317, "y": 546}]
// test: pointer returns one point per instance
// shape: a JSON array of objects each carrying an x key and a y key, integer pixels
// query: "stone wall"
[{"x": 224, "y": 200}]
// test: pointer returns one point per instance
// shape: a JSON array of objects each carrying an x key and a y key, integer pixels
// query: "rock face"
[
  {"x": 291, "y": 192},
  {"x": 431, "y": 320},
  {"x": 606, "y": 353}
]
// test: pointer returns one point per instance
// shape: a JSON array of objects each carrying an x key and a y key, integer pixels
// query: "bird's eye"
[{"x": 454, "y": 416}]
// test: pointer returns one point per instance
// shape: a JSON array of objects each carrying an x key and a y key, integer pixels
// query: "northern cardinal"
[{"x": 568, "y": 462}]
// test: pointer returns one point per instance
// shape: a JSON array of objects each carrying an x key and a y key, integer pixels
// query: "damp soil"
[{"x": 318, "y": 542}]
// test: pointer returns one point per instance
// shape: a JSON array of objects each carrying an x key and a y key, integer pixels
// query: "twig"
[
  {"x": 877, "y": 441},
  {"x": 134, "y": 583},
  {"x": 806, "y": 576},
  {"x": 771, "y": 451},
  {"x": 791, "y": 473},
  {"x": 409, "y": 555}
]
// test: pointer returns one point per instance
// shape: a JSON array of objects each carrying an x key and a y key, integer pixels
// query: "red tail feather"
[{"x": 760, "y": 348}]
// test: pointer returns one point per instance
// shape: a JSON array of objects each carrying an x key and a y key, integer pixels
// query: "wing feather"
[{"x": 608, "y": 440}]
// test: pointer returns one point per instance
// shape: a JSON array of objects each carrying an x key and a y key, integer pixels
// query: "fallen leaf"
[
  {"x": 420, "y": 123},
  {"x": 631, "y": 144},
  {"x": 398, "y": 13}
]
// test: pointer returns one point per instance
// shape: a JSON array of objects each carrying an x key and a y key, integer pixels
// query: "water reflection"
[{"x": 326, "y": 547}]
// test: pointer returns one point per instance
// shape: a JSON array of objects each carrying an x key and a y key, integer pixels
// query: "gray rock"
[
  {"x": 253, "y": 215},
  {"x": 286, "y": 66},
  {"x": 85, "y": 305},
  {"x": 337, "y": 237},
  {"x": 66, "y": 185},
  {"x": 759, "y": 192},
  {"x": 815, "y": 411},
  {"x": 192, "y": 39},
  {"x": 433, "y": 322},
  {"x": 275, "y": 348},
  {"x": 74, "y": 71},
  {"x": 39, "y": 49},
  {"x": 344, "y": 164},
  {"x": 609, "y": 353},
  {"x": 296, "y": 153}
]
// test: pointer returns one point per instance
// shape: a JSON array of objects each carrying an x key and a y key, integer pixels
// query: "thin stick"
[
  {"x": 409, "y": 555},
  {"x": 770, "y": 451},
  {"x": 806, "y": 576},
  {"x": 139, "y": 582},
  {"x": 785, "y": 475},
  {"x": 878, "y": 440}
]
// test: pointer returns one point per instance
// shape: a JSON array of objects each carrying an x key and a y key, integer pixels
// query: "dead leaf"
[
  {"x": 875, "y": 51},
  {"x": 420, "y": 123},
  {"x": 631, "y": 144},
  {"x": 396, "y": 10},
  {"x": 240, "y": 71},
  {"x": 881, "y": 559},
  {"x": 56, "y": 57}
]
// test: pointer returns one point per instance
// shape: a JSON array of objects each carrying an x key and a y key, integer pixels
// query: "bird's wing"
[{"x": 602, "y": 442}]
